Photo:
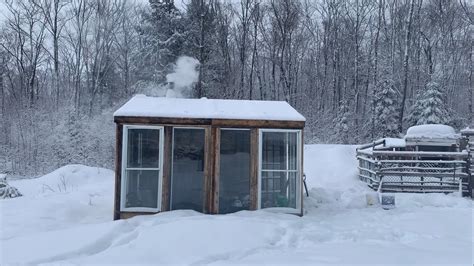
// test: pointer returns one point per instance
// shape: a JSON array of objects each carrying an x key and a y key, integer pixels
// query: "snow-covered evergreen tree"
[
  {"x": 385, "y": 114},
  {"x": 201, "y": 41},
  {"x": 341, "y": 124},
  {"x": 430, "y": 107},
  {"x": 162, "y": 34}
]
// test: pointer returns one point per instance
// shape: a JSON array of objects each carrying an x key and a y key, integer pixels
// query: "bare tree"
[
  {"x": 406, "y": 57},
  {"x": 55, "y": 22}
]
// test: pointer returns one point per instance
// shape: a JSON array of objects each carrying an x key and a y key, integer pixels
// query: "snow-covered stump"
[{"x": 7, "y": 191}]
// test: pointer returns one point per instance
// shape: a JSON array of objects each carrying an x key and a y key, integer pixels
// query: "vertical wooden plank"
[
  {"x": 302, "y": 172},
  {"x": 167, "y": 160},
  {"x": 254, "y": 161},
  {"x": 216, "y": 136},
  {"x": 207, "y": 180},
  {"x": 118, "y": 169}
]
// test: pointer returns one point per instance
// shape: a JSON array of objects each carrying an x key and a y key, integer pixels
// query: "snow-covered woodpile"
[
  {"x": 429, "y": 158},
  {"x": 7, "y": 191}
]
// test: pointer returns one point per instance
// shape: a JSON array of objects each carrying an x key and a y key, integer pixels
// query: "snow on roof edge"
[{"x": 145, "y": 106}]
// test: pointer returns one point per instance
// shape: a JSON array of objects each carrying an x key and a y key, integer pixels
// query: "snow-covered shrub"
[{"x": 7, "y": 191}]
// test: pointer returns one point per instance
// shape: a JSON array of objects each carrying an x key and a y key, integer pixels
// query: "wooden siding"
[
  {"x": 238, "y": 123},
  {"x": 216, "y": 140},
  {"x": 231, "y": 123},
  {"x": 254, "y": 146},
  {"x": 126, "y": 215},
  {"x": 207, "y": 185},
  {"x": 167, "y": 154}
]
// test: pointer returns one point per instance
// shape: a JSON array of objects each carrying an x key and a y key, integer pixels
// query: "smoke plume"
[{"x": 183, "y": 78}]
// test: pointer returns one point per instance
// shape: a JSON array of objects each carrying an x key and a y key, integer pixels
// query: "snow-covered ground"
[{"x": 65, "y": 217}]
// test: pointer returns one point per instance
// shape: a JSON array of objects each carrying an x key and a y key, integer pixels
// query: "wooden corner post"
[
  {"x": 302, "y": 172},
  {"x": 118, "y": 169}
]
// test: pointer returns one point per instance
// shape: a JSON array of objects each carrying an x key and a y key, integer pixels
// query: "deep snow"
[{"x": 65, "y": 217}]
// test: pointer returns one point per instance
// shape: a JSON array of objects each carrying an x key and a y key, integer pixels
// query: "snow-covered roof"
[
  {"x": 144, "y": 106},
  {"x": 434, "y": 131}
]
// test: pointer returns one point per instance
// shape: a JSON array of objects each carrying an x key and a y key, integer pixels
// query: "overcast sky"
[{"x": 3, "y": 10}]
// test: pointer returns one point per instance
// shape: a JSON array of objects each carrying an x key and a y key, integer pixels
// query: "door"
[{"x": 188, "y": 165}]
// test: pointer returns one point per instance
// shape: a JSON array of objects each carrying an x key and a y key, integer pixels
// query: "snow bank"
[
  {"x": 435, "y": 131},
  {"x": 331, "y": 173},
  {"x": 70, "y": 196},
  {"x": 330, "y": 166},
  {"x": 141, "y": 105},
  {"x": 65, "y": 179}
]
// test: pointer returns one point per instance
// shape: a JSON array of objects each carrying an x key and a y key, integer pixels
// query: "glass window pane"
[
  {"x": 274, "y": 150},
  {"x": 291, "y": 189},
  {"x": 292, "y": 150},
  {"x": 234, "y": 179},
  {"x": 188, "y": 169},
  {"x": 141, "y": 188},
  {"x": 278, "y": 189},
  {"x": 271, "y": 189},
  {"x": 143, "y": 148}
]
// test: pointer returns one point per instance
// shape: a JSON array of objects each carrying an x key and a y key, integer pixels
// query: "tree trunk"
[
  {"x": 471, "y": 90},
  {"x": 405, "y": 64}
]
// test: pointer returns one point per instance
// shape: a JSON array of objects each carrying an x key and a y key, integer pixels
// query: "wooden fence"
[
  {"x": 468, "y": 139},
  {"x": 415, "y": 171}
]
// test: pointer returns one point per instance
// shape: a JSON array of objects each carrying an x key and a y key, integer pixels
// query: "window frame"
[
  {"x": 124, "y": 169},
  {"x": 298, "y": 191}
]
